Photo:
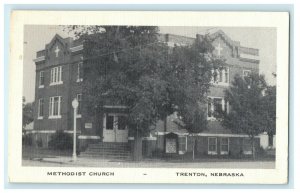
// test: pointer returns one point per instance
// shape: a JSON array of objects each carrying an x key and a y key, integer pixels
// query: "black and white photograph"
[{"x": 150, "y": 96}]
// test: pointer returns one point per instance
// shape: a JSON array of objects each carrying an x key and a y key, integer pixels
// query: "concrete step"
[
  {"x": 108, "y": 150},
  {"x": 108, "y": 146},
  {"x": 104, "y": 156},
  {"x": 107, "y": 153}
]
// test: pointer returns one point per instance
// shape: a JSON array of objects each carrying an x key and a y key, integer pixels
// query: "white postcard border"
[{"x": 17, "y": 173}]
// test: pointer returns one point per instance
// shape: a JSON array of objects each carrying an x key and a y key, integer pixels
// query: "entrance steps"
[{"x": 108, "y": 150}]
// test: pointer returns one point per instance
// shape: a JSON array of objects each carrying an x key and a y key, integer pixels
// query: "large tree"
[
  {"x": 191, "y": 79},
  {"x": 27, "y": 113},
  {"x": 127, "y": 65},
  {"x": 269, "y": 113},
  {"x": 247, "y": 106}
]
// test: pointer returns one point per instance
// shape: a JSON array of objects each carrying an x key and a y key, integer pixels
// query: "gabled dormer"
[
  {"x": 224, "y": 46},
  {"x": 57, "y": 50}
]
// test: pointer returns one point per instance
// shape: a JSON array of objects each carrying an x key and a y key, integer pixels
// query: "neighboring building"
[{"x": 59, "y": 79}]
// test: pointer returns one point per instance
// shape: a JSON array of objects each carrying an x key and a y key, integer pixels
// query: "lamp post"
[{"x": 75, "y": 106}]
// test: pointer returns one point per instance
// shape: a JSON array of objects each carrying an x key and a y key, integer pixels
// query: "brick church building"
[{"x": 59, "y": 79}]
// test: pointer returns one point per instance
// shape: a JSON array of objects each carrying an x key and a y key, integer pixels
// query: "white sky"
[{"x": 264, "y": 39}]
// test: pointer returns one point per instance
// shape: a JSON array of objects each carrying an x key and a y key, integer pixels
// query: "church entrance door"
[{"x": 115, "y": 128}]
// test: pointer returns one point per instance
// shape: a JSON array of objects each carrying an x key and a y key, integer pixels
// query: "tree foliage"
[
  {"x": 128, "y": 65},
  {"x": 27, "y": 113},
  {"x": 269, "y": 113},
  {"x": 61, "y": 141},
  {"x": 190, "y": 79},
  {"x": 248, "y": 105}
]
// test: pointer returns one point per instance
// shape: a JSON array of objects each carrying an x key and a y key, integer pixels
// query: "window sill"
[
  {"x": 214, "y": 119},
  {"x": 224, "y": 152},
  {"x": 220, "y": 84},
  {"x": 55, "y": 117},
  {"x": 39, "y": 118},
  {"x": 79, "y": 80},
  {"x": 41, "y": 86},
  {"x": 211, "y": 119},
  {"x": 56, "y": 83},
  {"x": 212, "y": 153},
  {"x": 247, "y": 152},
  {"x": 78, "y": 116}
]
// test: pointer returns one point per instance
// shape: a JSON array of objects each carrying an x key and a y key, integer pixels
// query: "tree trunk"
[
  {"x": 165, "y": 132},
  {"x": 253, "y": 149},
  {"x": 165, "y": 129},
  {"x": 137, "y": 146},
  {"x": 193, "y": 152},
  {"x": 194, "y": 147}
]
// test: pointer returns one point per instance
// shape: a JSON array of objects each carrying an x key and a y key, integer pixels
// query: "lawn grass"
[{"x": 30, "y": 152}]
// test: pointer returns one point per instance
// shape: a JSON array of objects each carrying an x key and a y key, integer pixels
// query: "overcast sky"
[{"x": 264, "y": 39}]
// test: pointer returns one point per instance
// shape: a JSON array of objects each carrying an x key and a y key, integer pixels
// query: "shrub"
[
  {"x": 60, "y": 141},
  {"x": 260, "y": 151},
  {"x": 157, "y": 153},
  {"x": 27, "y": 140},
  {"x": 39, "y": 142}
]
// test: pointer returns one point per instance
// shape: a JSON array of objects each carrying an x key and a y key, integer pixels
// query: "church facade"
[{"x": 60, "y": 78}]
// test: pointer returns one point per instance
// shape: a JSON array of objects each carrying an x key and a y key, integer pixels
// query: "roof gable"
[
  {"x": 56, "y": 38},
  {"x": 225, "y": 38}
]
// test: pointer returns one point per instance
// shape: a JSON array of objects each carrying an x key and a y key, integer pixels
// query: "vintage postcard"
[{"x": 148, "y": 97}]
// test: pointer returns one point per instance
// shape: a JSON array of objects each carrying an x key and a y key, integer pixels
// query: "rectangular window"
[
  {"x": 247, "y": 146},
  {"x": 122, "y": 122},
  {"x": 109, "y": 122},
  {"x": 210, "y": 107},
  {"x": 41, "y": 80},
  {"x": 182, "y": 141},
  {"x": 54, "y": 107},
  {"x": 224, "y": 146},
  {"x": 220, "y": 76},
  {"x": 56, "y": 76},
  {"x": 212, "y": 145},
  {"x": 226, "y": 75},
  {"x": 215, "y": 106},
  {"x": 79, "y": 99},
  {"x": 41, "y": 108},
  {"x": 79, "y": 72}
]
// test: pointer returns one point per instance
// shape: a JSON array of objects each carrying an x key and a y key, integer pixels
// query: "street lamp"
[{"x": 75, "y": 106}]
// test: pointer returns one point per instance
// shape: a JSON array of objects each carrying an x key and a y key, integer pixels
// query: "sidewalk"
[{"x": 65, "y": 161}]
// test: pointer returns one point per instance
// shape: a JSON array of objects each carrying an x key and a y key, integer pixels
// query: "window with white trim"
[
  {"x": 182, "y": 144},
  {"x": 122, "y": 122},
  {"x": 41, "y": 108},
  {"x": 212, "y": 146},
  {"x": 56, "y": 76},
  {"x": 41, "y": 79},
  {"x": 54, "y": 107},
  {"x": 109, "y": 122},
  {"x": 116, "y": 122},
  {"x": 220, "y": 76},
  {"x": 224, "y": 146},
  {"x": 247, "y": 146},
  {"x": 79, "y": 99},
  {"x": 79, "y": 72},
  {"x": 215, "y": 106}
]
